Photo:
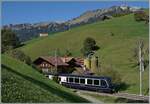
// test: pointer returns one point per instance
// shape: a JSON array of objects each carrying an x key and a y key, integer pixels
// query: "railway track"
[{"x": 120, "y": 95}]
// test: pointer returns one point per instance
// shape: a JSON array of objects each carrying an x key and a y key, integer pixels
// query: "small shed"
[{"x": 43, "y": 34}]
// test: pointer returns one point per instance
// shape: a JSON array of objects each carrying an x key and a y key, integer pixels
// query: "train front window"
[
  {"x": 96, "y": 82},
  {"x": 82, "y": 81},
  {"x": 89, "y": 81},
  {"x": 76, "y": 80},
  {"x": 70, "y": 79},
  {"x": 103, "y": 83}
]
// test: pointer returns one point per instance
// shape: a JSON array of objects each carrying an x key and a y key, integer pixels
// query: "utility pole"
[
  {"x": 56, "y": 60},
  {"x": 141, "y": 59},
  {"x": 140, "y": 70}
]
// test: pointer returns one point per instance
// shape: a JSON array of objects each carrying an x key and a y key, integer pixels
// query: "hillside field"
[
  {"x": 115, "y": 50},
  {"x": 23, "y": 84}
]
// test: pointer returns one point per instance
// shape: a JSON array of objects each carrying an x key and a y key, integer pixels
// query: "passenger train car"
[{"x": 93, "y": 83}]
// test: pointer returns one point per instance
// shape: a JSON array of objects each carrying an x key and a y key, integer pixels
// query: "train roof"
[{"x": 86, "y": 76}]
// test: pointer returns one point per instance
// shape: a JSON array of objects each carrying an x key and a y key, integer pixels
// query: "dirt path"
[{"x": 91, "y": 99}]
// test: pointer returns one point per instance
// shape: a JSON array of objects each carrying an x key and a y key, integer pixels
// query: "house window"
[
  {"x": 89, "y": 81},
  {"x": 96, "y": 82},
  {"x": 82, "y": 81},
  {"x": 45, "y": 70}
]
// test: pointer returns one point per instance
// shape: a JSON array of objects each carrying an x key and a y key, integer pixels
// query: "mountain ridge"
[{"x": 28, "y": 31}]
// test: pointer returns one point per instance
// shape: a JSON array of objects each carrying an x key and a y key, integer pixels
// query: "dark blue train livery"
[{"x": 92, "y": 83}]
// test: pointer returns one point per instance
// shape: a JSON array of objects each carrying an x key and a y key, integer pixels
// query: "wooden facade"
[
  {"x": 50, "y": 66},
  {"x": 59, "y": 64}
]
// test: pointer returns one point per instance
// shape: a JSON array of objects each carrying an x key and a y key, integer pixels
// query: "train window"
[
  {"x": 103, "y": 83},
  {"x": 70, "y": 79},
  {"x": 89, "y": 81},
  {"x": 82, "y": 81},
  {"x": 76, "y": 80},
  {"x": 67, "y": 80},
  {"x": 96, "y": 82}
]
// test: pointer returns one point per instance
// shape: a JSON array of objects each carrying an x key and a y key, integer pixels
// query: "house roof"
[
  {"x": 66, "y": 59},
  {"x": 54, "y": 61},
  {"x": 79, "y": 61},
  {"x": 61, "y": 61}
]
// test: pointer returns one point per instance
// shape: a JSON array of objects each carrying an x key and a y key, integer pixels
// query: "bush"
[
  {"x": 9, "y": 40},
  {"x": 141, "y": 16},
  {"x": 18, "y": 54},
  {"x": 119, "y": 15},
  {"x": 110, "y": 72}
]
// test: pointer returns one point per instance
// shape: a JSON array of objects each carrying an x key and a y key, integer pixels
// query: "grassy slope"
[
  {"x": 21, "y": 83},
  {"x": 115, "y": 50}
]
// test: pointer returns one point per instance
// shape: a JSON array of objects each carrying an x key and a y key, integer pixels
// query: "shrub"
[
  {"x": 110, "y": 72},
  {"x": 120, "y": 14},
  {"x": 67, "y": 53},
  {"x": 141, "y": 16},
  {"x": 18, "y": 54},
  {"x": 9, "y": 40}
]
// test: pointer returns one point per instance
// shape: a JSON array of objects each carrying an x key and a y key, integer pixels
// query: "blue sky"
[{"x": 32, "y": 12}]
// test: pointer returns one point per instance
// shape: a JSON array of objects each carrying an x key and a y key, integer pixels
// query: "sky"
[{"x": 33, "y": 12}]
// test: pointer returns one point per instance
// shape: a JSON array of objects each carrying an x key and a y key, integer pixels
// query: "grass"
[
  {"x": 22, "y": 83},
  {"x": 114, "y": 50}
]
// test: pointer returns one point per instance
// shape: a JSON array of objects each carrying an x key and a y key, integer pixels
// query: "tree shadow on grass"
[
  {"x": 121, "y": 87},
  {"x": 65, "y": 95}
]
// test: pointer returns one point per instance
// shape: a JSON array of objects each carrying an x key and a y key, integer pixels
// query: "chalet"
[
  {"x": 61, "y": 65},
  {"x": 49, "y": 64},
  {"x": 43, "y": 34}
]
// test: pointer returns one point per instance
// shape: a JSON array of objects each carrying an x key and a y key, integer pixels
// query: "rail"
[{"x": 121, "y": 95}]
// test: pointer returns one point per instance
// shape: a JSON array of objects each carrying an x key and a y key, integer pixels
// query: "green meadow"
[
  {"x": 115, "y": 50},
  {"x": 23, "y": 84}
]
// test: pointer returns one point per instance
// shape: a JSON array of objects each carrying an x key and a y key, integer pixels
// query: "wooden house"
[
  {"x": 51, "y": 64},
  {"x": 60, "y": 64}
]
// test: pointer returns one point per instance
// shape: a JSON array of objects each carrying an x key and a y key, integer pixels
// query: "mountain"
[
  {"x": 100, "y": 14},
  {"x": 28, "y": 31},
  {"x": 23, "y": 84},
  {"x": 115, "y": 50}
]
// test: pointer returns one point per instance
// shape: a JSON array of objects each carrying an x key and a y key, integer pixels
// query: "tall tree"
[
  {"x": 89, "y": 46},
  {"x": 9, "y": 40}
]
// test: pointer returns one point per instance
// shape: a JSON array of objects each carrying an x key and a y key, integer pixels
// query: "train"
[{"x": 86, "y": 82}]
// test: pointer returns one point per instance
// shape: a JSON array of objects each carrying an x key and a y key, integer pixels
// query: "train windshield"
[{"x": 103, "y": 83}]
